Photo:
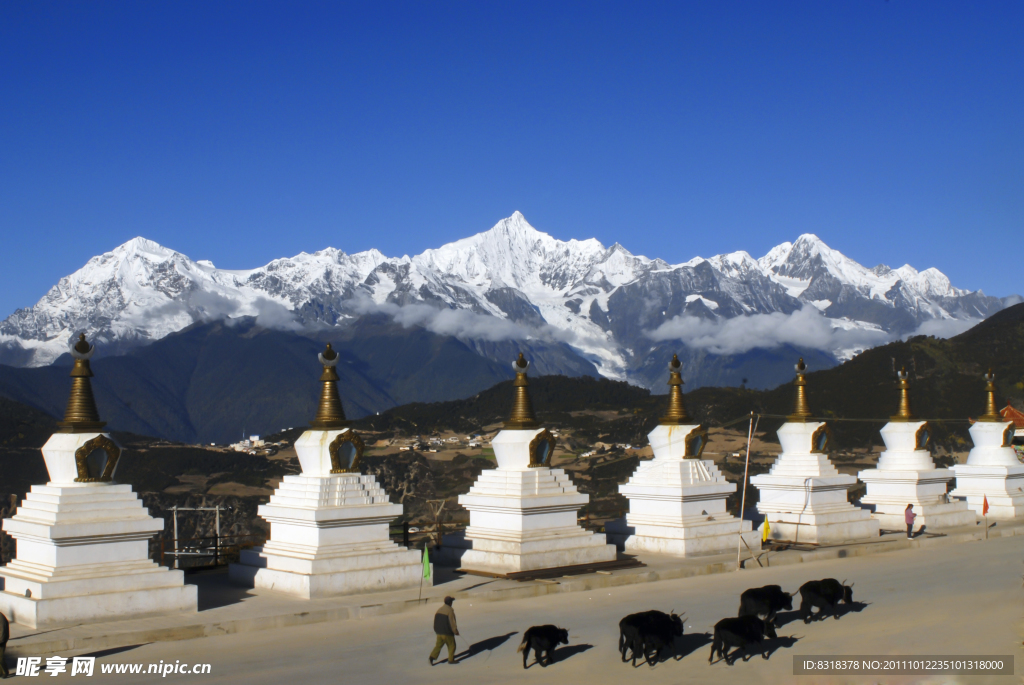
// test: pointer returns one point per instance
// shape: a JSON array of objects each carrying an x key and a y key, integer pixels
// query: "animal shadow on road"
[
  {"x": 683, "y": 646},
  {"x": 116, "y": 650},
  {"x": 784, "y": 617},
  {"x": 852, "y": 608},
  {"x": 484, "y": 646},
  {"x": 771, "y": 646},
  {"x": 690, "y": 643},
  {"x": 563, "y": 653},
  {"x": 768, "y": 647}
]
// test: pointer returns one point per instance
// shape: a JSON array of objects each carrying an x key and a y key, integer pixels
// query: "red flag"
[{"x": 984, "y": 506}]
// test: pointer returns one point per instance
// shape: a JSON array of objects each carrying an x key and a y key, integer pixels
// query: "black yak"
[
  {"x": 765, "y": 601},
  {"x": 543, "y": 640},
  {"x": 824, "y": 594},
  {"x": 741, "y": 632},
  {"x": 649, "y": 631}
]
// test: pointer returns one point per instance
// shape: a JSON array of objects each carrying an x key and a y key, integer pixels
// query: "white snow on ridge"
[
  {"x": 710, "y": 304},
  {"x": 142, "y": 291}
]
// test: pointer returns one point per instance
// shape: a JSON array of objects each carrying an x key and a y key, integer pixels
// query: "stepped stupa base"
[
  {"x": 689, "y": 538},
  {"x": 892, "y": 491},
  {"x": 100, "y": 592},
  {"x": 375, "y": 569},
  {"x": 83, "y": 556},
  {"x": 1002, "y": 485},
  {"x": 494, "y": 553},
  {"x": 329, "y": 537},
  {"x": 931, "y": 516},
  {"x": 804, "y": 498},
  {"x": 522, "y": 517},
  {"x": 823, "y": 529},
  {"x": 677, "y": 503}
]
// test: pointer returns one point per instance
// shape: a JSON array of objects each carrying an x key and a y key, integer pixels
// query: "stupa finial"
[
  {"x": 522, "y": 410},
  {"x": 81, "y": 415},
  {"x": 329, "y": 414},
  {"x": 676, "y": 414},
  {"x": 903, "y": 413},
  {"x": 801, "y": 412},
  {"x": 991, "y": 414}
]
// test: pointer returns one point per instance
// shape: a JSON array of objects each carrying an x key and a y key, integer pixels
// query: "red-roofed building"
[{"x": 1011, "y": 414}]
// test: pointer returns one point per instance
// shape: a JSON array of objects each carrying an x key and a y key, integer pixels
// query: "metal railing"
[
  {"x": 213, "y": 549},
  {"x": 219, "y": 550}
]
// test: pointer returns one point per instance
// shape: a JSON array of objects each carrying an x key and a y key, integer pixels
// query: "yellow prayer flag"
[{"x": 766, "y": 530}]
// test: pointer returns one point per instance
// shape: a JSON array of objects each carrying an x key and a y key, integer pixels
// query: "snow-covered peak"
[
  {"x": 513, "y": 254},
  {"x": 809, "y": 254},
  {"x": 930, "y": 282},
  {"x": 143, "y": 247},
  {"x": 775, "y": 257},
  {"x": 616, "y": 267},
  {"x": 735, "y": 264}
]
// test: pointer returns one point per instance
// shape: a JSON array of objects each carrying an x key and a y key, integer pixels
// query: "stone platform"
[
  {"x": 83, "y": 555},
  {"x": 329, "y": 536}
]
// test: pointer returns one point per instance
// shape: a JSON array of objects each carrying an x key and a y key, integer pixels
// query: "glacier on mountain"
[{"x": 510, "y": 282}]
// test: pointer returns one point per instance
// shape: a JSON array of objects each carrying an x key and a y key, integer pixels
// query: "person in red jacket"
[{"x": 909, "y": 515}]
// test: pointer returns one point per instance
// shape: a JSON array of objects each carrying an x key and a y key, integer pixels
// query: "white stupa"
[
  {"x": 992, "y": 471},
  {"x": 677, "y": 500},
  {"x": 83, "y": 539},
  {"x": 804, "y": 497},
  {"x": 906, "y": 475},
  {"x": 523, "y": 515},
  {"x": 329, "y": 525}
]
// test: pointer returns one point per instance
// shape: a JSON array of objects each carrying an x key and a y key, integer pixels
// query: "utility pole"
[
  {"x": 437, "y": 506},
  {"x": 743, "y": 496},
  {"x": 175, "y": 510}
]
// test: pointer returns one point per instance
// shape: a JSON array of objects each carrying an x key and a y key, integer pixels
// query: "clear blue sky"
[{"x": 241, "y": 132}]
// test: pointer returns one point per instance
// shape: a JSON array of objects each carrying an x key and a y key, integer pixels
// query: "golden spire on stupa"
[
  {"x": 522, "y": 410},
  {"x": 329, "y": 414},
  {"x": 801, "y": 412},
  {"x": 81, "y": 415},
  {"x": 676, "y": 414},
  {"x": 903, "y": 413},
  {"x": 991, "y": 414}
]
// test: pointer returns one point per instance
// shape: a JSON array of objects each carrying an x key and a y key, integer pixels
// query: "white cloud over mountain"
[{"x": 806, "y": 327}]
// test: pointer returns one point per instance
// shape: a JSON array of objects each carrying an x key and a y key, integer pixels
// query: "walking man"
[
  {"x": 446, "y": 630},
  {"x": 909, "y": 515},
  {"x": 5, "y": 634}
]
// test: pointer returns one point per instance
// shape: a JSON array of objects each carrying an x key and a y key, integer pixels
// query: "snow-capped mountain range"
[{"x": 511, "y": 282}]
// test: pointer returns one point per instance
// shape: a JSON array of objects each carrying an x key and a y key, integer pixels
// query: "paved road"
[{"x": 959, "y": 599}]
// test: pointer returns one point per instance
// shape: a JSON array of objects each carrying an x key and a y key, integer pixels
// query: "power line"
[{"x": 747, "y": 417}]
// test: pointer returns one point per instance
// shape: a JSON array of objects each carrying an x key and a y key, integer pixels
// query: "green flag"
[{"x": 426, "y": 562}]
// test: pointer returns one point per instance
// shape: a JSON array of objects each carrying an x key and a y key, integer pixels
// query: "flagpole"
[
  {"x": 984, "y": 513},
  {"x": 743, "y": 496},
  {"x": 425, "y": 559}
]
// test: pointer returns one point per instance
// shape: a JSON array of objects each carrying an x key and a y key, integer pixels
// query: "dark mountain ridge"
[{"x": 210, "y": 381}]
